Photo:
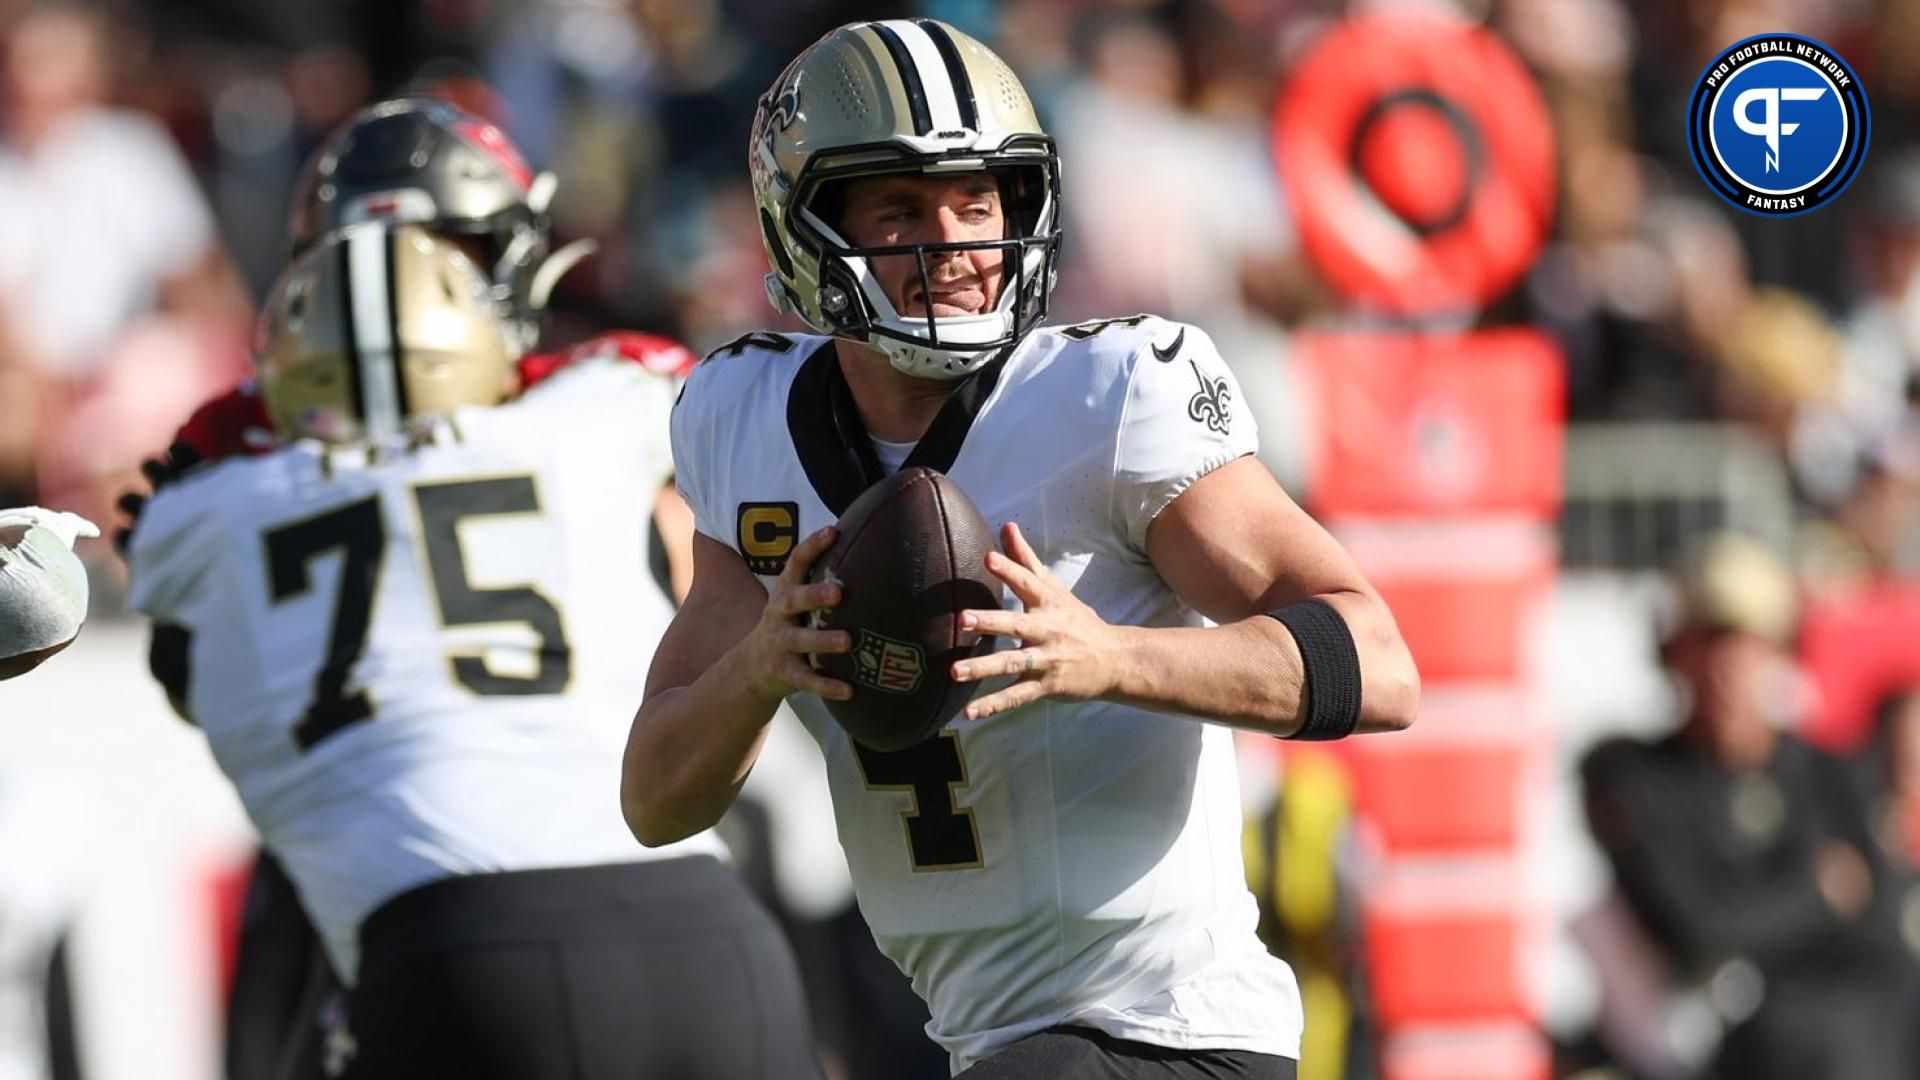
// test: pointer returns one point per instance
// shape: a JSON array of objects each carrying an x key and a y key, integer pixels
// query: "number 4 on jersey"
[{"x": 940, "y": 834}]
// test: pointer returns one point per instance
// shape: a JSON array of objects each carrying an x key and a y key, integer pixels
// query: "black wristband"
[{"x": 1330, "y": 666}]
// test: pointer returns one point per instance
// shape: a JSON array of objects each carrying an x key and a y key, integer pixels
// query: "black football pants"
[
  {"x": 667, "y": 969},
  {"x": 1071, "y": 1053}
]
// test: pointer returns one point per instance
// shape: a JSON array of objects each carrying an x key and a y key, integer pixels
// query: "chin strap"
[{"x": 925, "y": 363}]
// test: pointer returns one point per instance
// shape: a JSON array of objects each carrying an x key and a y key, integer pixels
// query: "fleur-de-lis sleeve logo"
[{"x": 1212, "y": 406}]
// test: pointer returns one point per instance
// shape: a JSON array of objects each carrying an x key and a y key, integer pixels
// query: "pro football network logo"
[{"x": 1778, "y": 125}]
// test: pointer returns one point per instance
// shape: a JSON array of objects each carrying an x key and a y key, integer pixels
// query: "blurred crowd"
[
  {"x": 1668, "y": 305},
  {"x": 1805, "y": 331},
  {"x": 148, "y": 148}
]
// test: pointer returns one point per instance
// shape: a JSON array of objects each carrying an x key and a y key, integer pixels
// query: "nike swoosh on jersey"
[{"x": 1167, "y": 355}]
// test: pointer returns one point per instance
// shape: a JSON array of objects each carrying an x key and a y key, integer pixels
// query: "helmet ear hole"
[{"x": 780, "y": 257}]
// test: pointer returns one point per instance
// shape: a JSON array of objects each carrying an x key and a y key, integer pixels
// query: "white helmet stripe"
[
  {"x": 956, "y": 71},
  {"x": 376, "y": 345},
  {"x": 932, "y": 68}
]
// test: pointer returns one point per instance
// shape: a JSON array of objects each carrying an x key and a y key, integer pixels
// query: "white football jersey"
[
  {"x": 425, "y": 664},
  {"x": 1064, "y": 862}
]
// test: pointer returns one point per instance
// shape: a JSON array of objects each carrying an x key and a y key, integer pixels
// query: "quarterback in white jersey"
[
  {"x": 1059, "y": 871},
  {"x": 412, "y": 638}
]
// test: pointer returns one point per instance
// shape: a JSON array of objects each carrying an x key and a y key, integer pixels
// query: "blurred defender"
[{"x": 410, "y": 633}]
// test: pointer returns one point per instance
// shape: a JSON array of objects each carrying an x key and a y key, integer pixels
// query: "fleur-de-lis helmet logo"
[{"x": 783, "y": 108}]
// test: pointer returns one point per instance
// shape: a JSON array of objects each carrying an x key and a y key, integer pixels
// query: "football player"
[
  {"x": 423, "y": 161},
  {"x": 411, "y": 633},
  {"x": 1059, "y": 872},
  {"x": 43, "y": 586}
]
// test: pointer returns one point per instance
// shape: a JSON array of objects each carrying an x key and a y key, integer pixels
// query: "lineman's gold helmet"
[
  {"x": 378, "y": 325},
  {"x": 904, "y": 95}
]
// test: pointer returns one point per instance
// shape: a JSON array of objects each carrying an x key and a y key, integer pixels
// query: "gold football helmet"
[
  {"x": 377, "y": 325},
  {"x": 903, "y": 95}
]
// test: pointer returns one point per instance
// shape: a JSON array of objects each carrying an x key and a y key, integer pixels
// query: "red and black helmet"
[{"x": 424, "y": 161}]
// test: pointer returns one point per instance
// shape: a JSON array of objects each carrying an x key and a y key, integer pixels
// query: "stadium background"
[{"x": 1517, "y": 419}]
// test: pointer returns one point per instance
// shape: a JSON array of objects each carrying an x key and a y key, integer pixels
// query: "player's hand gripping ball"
[{"x": 910, "y": 556}]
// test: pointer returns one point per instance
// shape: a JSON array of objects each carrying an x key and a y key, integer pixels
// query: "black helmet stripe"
[
  {"x": 399, "y": 365},
  {"x": 370, "y": 312},
  {"x": 356, "y": 390},
  {"x": 909, "y": 78},
  {"x": 956, "y": 72}
]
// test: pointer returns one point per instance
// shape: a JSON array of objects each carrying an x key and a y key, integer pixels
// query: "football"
[{"x": 910, "y": 557}]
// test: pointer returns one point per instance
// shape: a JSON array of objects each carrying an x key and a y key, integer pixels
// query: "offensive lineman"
[
  {"x": 408, "y": 632},
  {"x": 1059, "y": 873},
  {"x": 420, "y": 161}
]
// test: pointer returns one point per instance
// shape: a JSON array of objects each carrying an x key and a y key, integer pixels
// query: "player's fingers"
[
  {"x": 1015, "y": 663},
  {"x": 1015, "y": 543},
  {"x": 991, "y": 666},
  {"x": 799, "y": 599},
  {"x": 1021, "y": 580},
  {"x": 795, "y": 673},
  {"x": 800, "y": 639},
  {"x": 995, "y": 621},
  {"x": 1012, "y": 697},
  {"x": 802, "y": 556}
]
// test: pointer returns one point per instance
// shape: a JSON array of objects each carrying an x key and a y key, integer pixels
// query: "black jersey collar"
[{"x": 832, "y": 440}]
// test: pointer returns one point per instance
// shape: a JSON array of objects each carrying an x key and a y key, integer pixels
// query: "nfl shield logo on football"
[
  {"x": 1778, "y": 125},
  {"x": 886, "y": 664}
]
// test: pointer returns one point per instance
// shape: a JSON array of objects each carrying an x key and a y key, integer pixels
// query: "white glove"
[
  {"x": 67, "y": 526},
  {"x": 43, "y": 586}
]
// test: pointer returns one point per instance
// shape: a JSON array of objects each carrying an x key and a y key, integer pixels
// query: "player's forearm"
[
  {"x": 1250, "y": 674},
  {"x": 689, "y": 752}
]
